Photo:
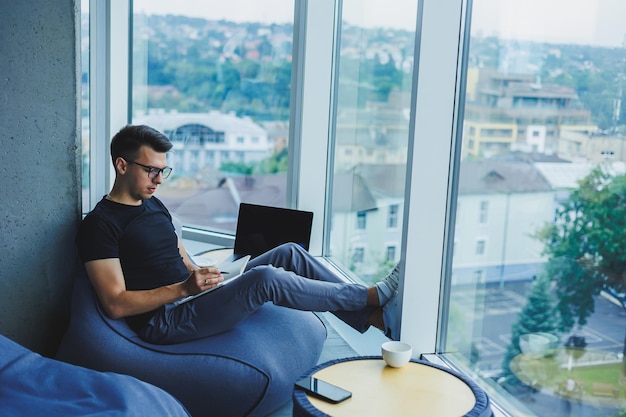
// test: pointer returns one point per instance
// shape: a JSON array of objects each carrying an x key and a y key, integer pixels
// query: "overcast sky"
[{"x": 597, "y": 22}]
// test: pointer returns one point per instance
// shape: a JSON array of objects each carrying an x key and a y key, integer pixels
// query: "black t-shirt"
[{"x": 142, "y": 237}]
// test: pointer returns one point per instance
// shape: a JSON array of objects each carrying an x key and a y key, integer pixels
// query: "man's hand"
[{"x": 202, "y": 279}]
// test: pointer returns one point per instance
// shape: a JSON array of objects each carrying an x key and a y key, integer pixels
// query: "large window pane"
[
  {"x": 215, "y": 77},
  {"x": 375, "y": 65},
  {"x": 537, "y": 281}
]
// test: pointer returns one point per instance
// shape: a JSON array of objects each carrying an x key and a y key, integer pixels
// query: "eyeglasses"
[{"x": 154, "y": 172}]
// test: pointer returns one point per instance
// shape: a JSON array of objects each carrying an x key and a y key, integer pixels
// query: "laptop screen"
[{"x": 261, "y": 228}]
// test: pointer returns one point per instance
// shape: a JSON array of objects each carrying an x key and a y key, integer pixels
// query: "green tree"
[
  {"x": 537, "y": 316},
  {"x": 274, "y": 164},
  {"x": 586, "y": 245},
  {"x": 237, "y": 168}
]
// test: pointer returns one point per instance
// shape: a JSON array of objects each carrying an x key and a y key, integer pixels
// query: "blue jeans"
[{"x": 287, "y": 276}]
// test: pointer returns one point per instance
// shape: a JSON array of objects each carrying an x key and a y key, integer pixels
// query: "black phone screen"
[{"x": 323, "y": 389}]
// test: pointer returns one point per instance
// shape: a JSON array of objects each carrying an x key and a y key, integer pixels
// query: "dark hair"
[{"x": 130, "y": 138}]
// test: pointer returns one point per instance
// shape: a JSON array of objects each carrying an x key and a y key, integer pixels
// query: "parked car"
[{"x": 616, "y": 296}]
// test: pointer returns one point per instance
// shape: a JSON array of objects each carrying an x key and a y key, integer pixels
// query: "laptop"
[{"x": 261, "y": 228}]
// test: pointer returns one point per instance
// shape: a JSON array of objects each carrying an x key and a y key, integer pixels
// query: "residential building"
[
  {"x": 500, "y": 206},
  {"x": 207, "y": 140},
  {"x": 519, "y": 112}
]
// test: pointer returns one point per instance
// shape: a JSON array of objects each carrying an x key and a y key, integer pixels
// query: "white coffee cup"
[{"x": 396, "y": 354}]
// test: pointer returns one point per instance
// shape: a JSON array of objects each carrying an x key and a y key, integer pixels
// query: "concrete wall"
[{"x": 39, "y": 168}]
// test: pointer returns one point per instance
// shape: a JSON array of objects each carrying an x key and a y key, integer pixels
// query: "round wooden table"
[{"x": 416, "y": 389}]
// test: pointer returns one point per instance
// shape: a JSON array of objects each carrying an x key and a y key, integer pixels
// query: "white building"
[
  {"x": 501, "y": 204},
  {"x": 207, "y": 140},
  {"x": 367, "y": 213}
]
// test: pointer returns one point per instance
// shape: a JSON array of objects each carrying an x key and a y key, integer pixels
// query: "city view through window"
[
  {"x": 536, "y": 283},
  {"x": 220, "y": 89}
]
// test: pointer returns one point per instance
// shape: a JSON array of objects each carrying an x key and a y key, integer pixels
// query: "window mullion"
[
  {"x": 311, "y": 117},
  {"x": 108, "y": 61},
  {"x": 430, "y": 150}
]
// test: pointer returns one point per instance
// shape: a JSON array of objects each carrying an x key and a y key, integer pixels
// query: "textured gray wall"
[{"x": 39, "y": 168}]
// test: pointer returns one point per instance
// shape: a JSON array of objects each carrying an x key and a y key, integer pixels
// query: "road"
[
  {"x": 498, "y": 309},
  {"x": 605, "y": 329}
]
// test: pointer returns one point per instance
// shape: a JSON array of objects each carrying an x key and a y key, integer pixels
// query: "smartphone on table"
[{"x": 323, "y": 390}]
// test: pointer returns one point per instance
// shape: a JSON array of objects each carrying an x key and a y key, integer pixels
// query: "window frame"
[
  {"x": 483, "y": 212},
  {"x": 361, "y": 220},
  {"x": 393, "y": 214},
  {"x": 428, "y": 235},
  {"x": 107, "y": 111}
]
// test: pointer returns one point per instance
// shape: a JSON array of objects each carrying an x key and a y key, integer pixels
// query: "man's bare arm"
[
  {"x": 183, "y": 253},
  {"x": 107, "y": 279}
]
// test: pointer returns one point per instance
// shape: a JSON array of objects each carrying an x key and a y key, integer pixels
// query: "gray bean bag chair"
[
  {"x": 248, "y": 371},
  {"x": 33, "y": 385}
]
